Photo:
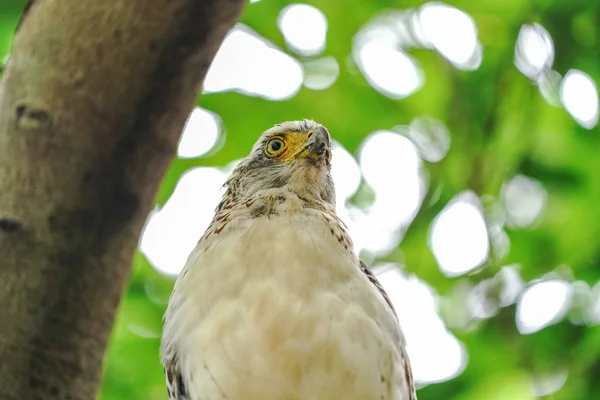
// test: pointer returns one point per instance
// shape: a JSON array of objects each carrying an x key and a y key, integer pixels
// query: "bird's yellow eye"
[{"x": 275, "y": 147}]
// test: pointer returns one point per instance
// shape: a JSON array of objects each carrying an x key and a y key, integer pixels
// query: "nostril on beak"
[
  {"x": 318, "y": 141},
  {"x": 319, "y": 147}
]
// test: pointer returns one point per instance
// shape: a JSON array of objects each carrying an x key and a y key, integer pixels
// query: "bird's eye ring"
[{"x": 275, "y": 147}]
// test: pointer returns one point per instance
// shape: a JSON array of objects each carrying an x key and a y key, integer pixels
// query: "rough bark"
[{"x": 92, "y": 103}]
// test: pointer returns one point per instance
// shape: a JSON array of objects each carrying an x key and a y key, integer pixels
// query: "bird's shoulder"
[
  {"x": 375, "y": 282},
  {"x": 407, "y": 367}
]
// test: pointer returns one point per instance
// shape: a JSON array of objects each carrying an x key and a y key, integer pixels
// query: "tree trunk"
[{"x": 92, "y": 103}]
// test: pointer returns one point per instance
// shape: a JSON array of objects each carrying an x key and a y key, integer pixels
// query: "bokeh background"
[{"x": 467, "y": 168}]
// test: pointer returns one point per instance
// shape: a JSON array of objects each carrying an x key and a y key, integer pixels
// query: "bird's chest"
[
  {"x": 277, "y": 306},
  {"x": 299, "y": 253}
]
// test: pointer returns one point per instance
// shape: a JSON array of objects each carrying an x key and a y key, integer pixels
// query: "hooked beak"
[{"x": 318, "y": 145}]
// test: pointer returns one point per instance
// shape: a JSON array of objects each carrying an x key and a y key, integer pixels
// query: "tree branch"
[{"x": 92, "y": 103}]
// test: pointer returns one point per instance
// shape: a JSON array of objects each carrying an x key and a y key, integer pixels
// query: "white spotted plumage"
[{"x": 274, "y": 304}]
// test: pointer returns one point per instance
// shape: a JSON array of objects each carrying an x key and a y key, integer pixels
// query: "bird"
[{"x": 273, "y": 303}]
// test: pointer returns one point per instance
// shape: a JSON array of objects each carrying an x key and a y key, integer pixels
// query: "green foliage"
[{"x": 500, "y": 126}]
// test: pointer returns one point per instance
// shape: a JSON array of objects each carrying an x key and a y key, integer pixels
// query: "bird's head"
[{"x": 295, "y": 156}]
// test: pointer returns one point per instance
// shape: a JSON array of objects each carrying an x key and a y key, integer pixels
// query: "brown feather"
[{"x": 175, "y": 384}]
